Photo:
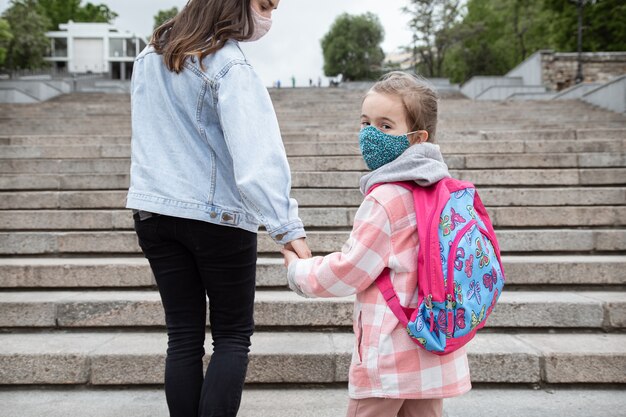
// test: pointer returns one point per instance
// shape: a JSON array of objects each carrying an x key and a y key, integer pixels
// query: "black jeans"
[{"x": 191, "y": 260}]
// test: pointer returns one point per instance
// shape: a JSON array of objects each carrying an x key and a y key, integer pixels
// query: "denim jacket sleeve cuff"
[{"x": 288, "y": 233}]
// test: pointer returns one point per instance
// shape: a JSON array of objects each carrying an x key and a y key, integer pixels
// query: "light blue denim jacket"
[{"x": 206, "y": 145}]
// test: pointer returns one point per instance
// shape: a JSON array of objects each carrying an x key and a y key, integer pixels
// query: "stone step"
[
  {"x": 124, "y": 309},
  {"x": 312, "y": 402},
  {"x": 102, "y": 358},
  {"x": 614, "y": 216},
  {"x": 315, "y": 197},
  {"x": 121, "y": 242},
  {"x": 499, "y": 177},
  {"x": 349, "y": 146},
  {"x": 530, "y": 271},
  {"x": 330, "y": 163},
  {"x": 59, "y": 123},
  {"x": 561, "y": 140}
]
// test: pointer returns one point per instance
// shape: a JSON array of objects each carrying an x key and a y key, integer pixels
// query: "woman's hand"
[
  {"x": 300, "y": 247},
  {"x": 290, "y": 256}
]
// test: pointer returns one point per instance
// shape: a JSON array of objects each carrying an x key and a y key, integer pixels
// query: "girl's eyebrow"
[{"x": 386, "y": 119}]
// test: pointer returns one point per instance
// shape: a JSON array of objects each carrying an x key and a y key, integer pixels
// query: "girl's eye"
[
  {"x": 364, "y": 124},
  {"x": 386, "y": 127}
]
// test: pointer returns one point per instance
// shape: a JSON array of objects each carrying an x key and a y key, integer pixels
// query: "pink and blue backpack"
[{"x": 460, "y": 274}]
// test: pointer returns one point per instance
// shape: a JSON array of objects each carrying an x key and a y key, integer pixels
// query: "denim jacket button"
[
  {"x": 280, "y": 237},
  {"x": 227, "y": 217},
  {"x": 213, "y": 214}
]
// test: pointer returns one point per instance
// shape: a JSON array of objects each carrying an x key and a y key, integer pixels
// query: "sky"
[{"x": 292, "y": 47}]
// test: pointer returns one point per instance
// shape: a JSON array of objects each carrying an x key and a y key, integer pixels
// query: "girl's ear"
[{"x": 418, "y": 137}]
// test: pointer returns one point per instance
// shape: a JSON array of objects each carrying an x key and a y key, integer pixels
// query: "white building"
[
  {"x": 401, "y": 60},
  {"x": 94, "y": 48}
]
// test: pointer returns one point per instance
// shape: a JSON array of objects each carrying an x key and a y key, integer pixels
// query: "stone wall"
[{"x": 559, "y": 69}]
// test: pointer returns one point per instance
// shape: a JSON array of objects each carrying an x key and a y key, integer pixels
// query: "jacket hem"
[
  {"x": 410, "y": 396},
  {"x": 203, "y": 212}
]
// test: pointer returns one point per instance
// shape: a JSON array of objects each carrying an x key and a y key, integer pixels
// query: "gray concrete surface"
[
  {"x": 124, "y": 309},
  {"x": 110, "y": 272},
  {"x": 311, "y": 402}
]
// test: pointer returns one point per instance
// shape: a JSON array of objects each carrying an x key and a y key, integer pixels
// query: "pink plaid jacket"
[{"x": 385, "y": 362}]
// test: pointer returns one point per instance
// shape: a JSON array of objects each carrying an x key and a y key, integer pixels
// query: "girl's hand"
[
  {"x": 289, "y": 256},
  {"x": 300, "y": 247}
]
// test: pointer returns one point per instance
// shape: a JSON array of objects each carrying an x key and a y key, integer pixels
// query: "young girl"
[{"x": 389, "y": 375}]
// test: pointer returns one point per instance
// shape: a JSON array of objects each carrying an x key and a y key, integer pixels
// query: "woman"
[{"x": 208, "y": 166}]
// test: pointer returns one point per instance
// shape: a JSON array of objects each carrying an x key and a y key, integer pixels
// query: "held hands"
[
  {"x": 297, "y": 249},
  {"x": 294, "y": 250}
]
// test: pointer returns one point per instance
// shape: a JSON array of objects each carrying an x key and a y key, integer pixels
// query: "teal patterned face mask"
[{"x": 380, "y": 148}]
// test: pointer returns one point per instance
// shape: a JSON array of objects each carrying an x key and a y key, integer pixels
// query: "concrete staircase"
[{"x": 79, "y": 313}]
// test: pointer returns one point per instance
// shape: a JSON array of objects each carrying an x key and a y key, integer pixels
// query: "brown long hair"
[
  {"x": 200, "y": 29},
  {"x": 418, "y": 96}
]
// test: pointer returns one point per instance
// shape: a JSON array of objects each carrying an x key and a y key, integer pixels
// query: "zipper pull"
[
  {"x": 449, "y": 302},
  {"x": 429, "y": 302}
]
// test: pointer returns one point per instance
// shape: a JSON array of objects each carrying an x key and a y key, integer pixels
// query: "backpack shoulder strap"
[{"x": 383, "y": 282}]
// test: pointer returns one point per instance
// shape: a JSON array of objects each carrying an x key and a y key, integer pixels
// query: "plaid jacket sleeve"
[{"x": 356, "y": 267}]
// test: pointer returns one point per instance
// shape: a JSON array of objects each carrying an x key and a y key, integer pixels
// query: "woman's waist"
[{"x": 224, "y": 211}]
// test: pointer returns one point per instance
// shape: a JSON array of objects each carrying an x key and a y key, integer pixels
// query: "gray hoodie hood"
[{"x": 421, "y": 163}]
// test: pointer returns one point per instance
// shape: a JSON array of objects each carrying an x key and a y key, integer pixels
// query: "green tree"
[
  {"x": 27, "y": 48},
  {"x": 62, "y": 11},
  {"x": 500, "y": 34},
  {"x": 97, "y": 13},
  {"x": 604, "y": 25},
  {"x": 5, "y": 38},
  {"x": 352, "y": 47},
  {"x": 435, "y": 31},
  {"x": 163, "y": 16}
]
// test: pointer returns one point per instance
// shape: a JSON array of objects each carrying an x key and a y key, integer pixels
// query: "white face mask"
[{"x": 262, "y": 25}]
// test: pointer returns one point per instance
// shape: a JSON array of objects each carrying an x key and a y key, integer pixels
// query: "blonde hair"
[{"x": 418, "y": 96}]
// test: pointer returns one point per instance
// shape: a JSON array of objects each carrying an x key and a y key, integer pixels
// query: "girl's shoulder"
[
  {"x": 390, "y": 193},
  {"x": 396, "y": 200}
]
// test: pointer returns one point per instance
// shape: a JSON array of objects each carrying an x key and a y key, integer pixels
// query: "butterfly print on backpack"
[
  {"x": 493, "y": 301},
  {"x": 476, "y": 319},
  {"x": 458, "y": 291},
  {"x": 470, "y": 210},
  {"x": 490, "y": 279},
  {"x": 442, "y": 324},
  {"x": 456, "y": 219},
  {"x": 459, "y": 321},
  {"x": 469, "y": 266},
  {"x": 481, "y": 254},
  {"x": 474, "y": 291},
  {"x": 458, "y": 262}
]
